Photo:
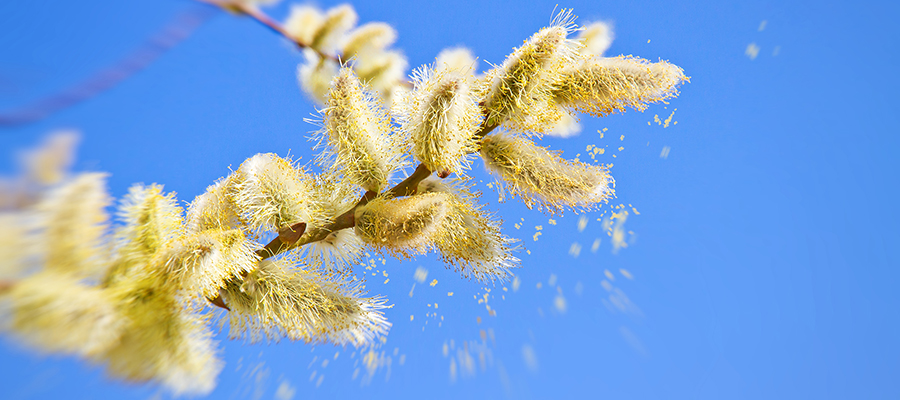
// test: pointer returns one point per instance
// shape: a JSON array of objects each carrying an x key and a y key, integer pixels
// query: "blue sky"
[{"x": 763, "y": 259}]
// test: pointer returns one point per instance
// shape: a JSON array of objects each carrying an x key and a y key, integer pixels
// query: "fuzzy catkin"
[
  {"x": 356, "y": 132},
  {"x": 161, "y": 339},
  {"x": 470, "y": 239},
  {"x": 151, "y": 220},
  {"x": 518, "y": 93},
  {"x": 403, "y": 226},
  {"x": 73, "y": 223},
  {"x": 275, "y": 302},
  {"x": 602, "y": 86},
  {"x": 199, "y": 264},
  {"x": 373, "y": 36},
  {"x": 271, "y": 193},
  {"x": 55, "y": 312},
  {"x": 440, "y": 118},
  {"x": 543, "y": 178}
]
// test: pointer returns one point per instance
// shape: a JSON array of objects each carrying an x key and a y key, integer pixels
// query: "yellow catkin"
[
  {"x": 543, "y": 178},
  {"x": 373, "y": 36},
  {"x": 199, "y": 264},
  {"x": 470, "y": 239},
  {"x": 595, "y": 37},
  {"x": 55, "y": 312},
  {"x": 151, "y": 220},
  {"x": 213, "y": 210},
  {"x": 403, "y": 226},
  {"x": 356, "y": 134},
  {"x": 308, "y": 25},
  {"x": 342, "y": 248},
  {"x": 315, "y": 76},
  {"x": 439, "y": 119},
  {"x": 73, "y": 223},
  {"x": 271, "y": 193},
  {"x": 601, "y": 86},
  {"x": 302, "y": 22},
  {"x": 518, "y": 93},
  {"x": 277, "y": 302},
  {"x": 382, "y": 71},
  {"x": 161, "y": 339},
  {"x": 456, "y": 58},
  {"x": 48, "y": 164}
]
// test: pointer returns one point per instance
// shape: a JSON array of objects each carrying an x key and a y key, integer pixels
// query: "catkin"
[{"x": 543, "y": 178}]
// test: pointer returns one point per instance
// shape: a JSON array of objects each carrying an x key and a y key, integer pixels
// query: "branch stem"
[{"x": 267, "y": 21}]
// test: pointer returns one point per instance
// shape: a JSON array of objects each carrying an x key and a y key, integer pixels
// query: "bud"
[
  {"x": 356, "y": 133},
  {"x": 456, "y": 59},
  {"x": 370, "y": 37},
  {"x": 439, "y": 118},
  {"x": 151, "y": 220},
  {"x": 55, "y": 312},
  {"x": 275, "y": 302},
  {"x": 271, "y": 193},
  {"x": 160, "y": 339},
  {"x": 542, "y": 177},
  {"x": 471, "y": 239},
  {"x": 199, "y": 264},
  {"x": 519, "y": 93},
  {"x": 595, "y": 38},
  {"x": 73, "y": 221},
  {"x": 601, "y": 86},
  {"x": 213, "y": 210},
  {"x": 404, "y": 226}
]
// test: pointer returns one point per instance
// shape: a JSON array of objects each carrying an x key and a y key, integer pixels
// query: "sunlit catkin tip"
[
  {"x": 315, "y": 76},
  {"x": 471, "y": 240},
  {"x": 199, "y": 264},
  {"x": 601, "y": 86},
  {"x": 382, "y": 71},
  {"x": 302, "y": 22},
  {"x": 518, "y": 92},
  {"x": 543, "y": 178},
  {"x": 370, "y": 37},
  {"x": 356, "y": 132},
  {"x": 49, "y": 163},
  {"x": 595, "y": 37},
  {"x": 73, "y": 221},
  {"x": 213, "y": 210},
  {"x": 54, "y": 312},
  {"x": 162, "y": 341},
  {"x": 456, "y": 59},
  {"x": 334, "y": 26},
  {"x": 567, "y": 126},
  {"x": 404, "y": 226},
  {"x": 151, "y": 219},
  {"x": 272, "y": 193},
  {"x": 276, "y": 302},
  {"x": 440, "y": 119}
]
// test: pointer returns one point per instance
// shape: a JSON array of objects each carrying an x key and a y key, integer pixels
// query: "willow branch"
[
  {"x": 6, "y": 286},
  {"x": 268, "y": 22},
  {"x": 179, "y": 29},
  {"x": 346, "y": 220}
]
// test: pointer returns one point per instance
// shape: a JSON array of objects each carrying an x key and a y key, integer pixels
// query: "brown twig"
[
  {"x": 268, "y": 22},
  {"x": 181, "y": 27},
  {"x": 6, "y": 286}
]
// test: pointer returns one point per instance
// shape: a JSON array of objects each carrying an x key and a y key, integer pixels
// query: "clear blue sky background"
[{"x": 764, "y": 263}]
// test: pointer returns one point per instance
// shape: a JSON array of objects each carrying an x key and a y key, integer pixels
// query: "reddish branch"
[{"x": 180, "y": 28}]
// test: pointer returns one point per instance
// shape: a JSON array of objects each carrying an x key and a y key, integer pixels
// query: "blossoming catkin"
[{"x": 542, "y": 177}]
